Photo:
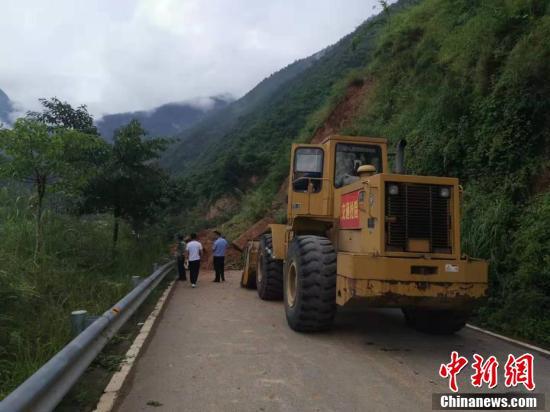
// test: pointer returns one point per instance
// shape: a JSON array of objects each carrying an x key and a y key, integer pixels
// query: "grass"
[
  {"x": 467, "y": 84},
  {"x": 89, "y": 388},
  {"x": 75, "y": 270}
]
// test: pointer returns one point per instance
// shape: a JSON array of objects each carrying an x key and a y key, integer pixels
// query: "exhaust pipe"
[{"x": 400, "y": 157}]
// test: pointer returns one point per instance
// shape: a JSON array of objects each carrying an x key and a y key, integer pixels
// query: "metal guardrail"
[{"x": 47, "y": 387}]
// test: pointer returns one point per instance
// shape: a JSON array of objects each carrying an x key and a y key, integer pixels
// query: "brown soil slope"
[{"x": 345, "y": 110}]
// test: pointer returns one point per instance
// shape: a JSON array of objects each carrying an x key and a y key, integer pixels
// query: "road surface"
[{"x": 220, "y": 348}]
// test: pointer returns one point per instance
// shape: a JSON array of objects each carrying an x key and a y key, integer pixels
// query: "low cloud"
[{"x": 129, "y": 55}]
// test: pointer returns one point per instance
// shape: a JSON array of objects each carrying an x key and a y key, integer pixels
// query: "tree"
[
  {"x": 385, "y": 6},
  {"x": 58, "y": 114},
  {"x": 35, "y": 155},
  {"x": 130, "y": 186}
]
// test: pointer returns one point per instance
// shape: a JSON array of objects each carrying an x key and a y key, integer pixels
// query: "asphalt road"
[{"x": 220, "y": 348}]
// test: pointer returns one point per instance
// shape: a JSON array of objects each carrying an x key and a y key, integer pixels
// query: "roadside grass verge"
[{"x": 77, "y": 269}]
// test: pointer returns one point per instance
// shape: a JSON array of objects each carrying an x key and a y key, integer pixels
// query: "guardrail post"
[
  {"x": 78, "y": 321},
  {"x": 136, "y": 280},
  {"x": 155, "y": 266},
  {"x": 90, "y": 320}
]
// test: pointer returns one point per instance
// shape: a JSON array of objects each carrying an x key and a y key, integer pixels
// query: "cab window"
[
  {"x": 308, "y": 167},
  {"x": 348, "y": 159}
]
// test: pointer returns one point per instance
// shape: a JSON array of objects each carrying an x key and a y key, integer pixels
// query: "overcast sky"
[{"x": 121, "y": 55}]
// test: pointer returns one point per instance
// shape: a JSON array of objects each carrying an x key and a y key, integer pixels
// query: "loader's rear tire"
[
  {"x": 310, "y": 284},
  {"x": 435, "y": 321},
  {"x": 269, "y": 274}
]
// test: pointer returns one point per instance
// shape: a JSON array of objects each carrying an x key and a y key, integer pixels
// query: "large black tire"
[
  {"x": 269, "y": 274},
  {"x": 435, "y": 321},
  {"x": 310, "y": 284}
]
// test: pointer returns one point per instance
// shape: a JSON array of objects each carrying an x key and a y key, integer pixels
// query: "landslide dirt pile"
[
  {"x": 252, "y": 232},
  {"x": 232, "y": 256}
]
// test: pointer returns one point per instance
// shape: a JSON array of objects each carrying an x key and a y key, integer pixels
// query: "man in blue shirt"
[{"x": 218, "y": 249}]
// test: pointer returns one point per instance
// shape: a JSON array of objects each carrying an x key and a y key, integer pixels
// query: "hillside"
[
  {"x": 249, "y": 139},
  {"x": 467, "y": 83},
  {"x": 6, "y": 107},
  {"x": 201, "y": 140},
  {"x": 242, "y": 151},
  {"x": 167, "y": 120}
]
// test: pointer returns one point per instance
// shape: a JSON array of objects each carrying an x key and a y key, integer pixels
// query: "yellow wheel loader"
[{"x": 357, "y": 232}]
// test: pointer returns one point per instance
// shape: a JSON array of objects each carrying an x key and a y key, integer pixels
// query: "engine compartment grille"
[{"x": 417, "y": 213}]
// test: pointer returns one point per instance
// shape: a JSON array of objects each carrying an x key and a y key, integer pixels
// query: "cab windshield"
[
  {"x": 348, "y": 159},
  {"x": 308, "y": 169}
]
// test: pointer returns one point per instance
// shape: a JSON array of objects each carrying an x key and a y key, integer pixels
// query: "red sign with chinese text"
[
  {"x": 518, "y": 370},
  {"x": 349, "y": 211}
]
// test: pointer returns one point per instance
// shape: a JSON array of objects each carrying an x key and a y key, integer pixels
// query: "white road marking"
[{"x": 517, "y": 342}]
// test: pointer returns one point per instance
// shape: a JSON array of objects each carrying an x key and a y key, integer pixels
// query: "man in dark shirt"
[{"x": 180, "y": 257}]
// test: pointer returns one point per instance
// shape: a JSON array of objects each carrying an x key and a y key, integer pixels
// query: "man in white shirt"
[{"x": 194, "y": 254}]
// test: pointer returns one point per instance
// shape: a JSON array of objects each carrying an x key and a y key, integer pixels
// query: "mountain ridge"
[
  {"x": 165, "y": 120},
  {"x": 215, "y": 126}
]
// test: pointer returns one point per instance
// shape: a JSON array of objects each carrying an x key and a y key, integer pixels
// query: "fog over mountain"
[
  {"x": 129, "y": 55},
  {"x": 166, "y": 120}
]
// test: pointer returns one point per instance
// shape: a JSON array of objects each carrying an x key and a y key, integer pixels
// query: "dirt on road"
[{"x": 220, "y": 348}]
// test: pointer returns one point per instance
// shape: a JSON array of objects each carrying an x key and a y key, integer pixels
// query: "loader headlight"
[
  {"x": 445, "y": 192},
  {"x": 393, "y": 190}
]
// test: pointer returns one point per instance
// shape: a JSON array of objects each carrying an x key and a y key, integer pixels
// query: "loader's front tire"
[
  {"x": 435, "y": 321},
  {"x": 310, "y": 284},
  {"x": 269, "y": 274}
]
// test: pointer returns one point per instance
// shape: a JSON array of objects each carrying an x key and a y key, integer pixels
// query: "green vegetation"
[
  {"x": 66, "y": 197},
  {"x": 127, "y": 183},
  {"x": 46, "y": 158},
  {"x": 242, "y": 151},
  {"x": 468, "y": 84},
  {"x": 75, "y": 270}
]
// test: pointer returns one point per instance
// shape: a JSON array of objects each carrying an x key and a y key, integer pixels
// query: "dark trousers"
[
  {"x": 181, "y": 270},
  {"x": 219, "y": 262},
  {"x": 194, "y": 267}
]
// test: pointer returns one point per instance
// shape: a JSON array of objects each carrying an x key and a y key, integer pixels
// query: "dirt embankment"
[
  {"x": 345, "y": 111},
  {"x": 339, "y": 118},
  {"x": 542, "y": 182},
  {"x": 253, "y": 232}
]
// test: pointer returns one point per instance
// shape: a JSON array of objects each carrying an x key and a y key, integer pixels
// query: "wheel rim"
[{"x": 291, "y": 285}]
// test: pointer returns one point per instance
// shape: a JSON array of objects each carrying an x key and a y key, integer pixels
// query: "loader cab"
[
  {"x": 349, "y": 157},
  {"x": 318, "y": 170}
]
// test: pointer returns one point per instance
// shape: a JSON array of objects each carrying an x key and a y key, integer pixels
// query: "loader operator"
[{"x": 348, "y": 160}]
